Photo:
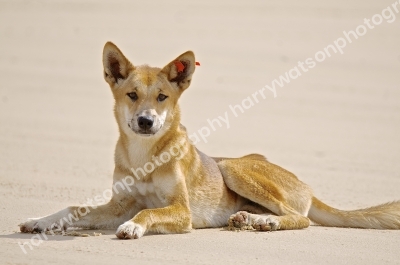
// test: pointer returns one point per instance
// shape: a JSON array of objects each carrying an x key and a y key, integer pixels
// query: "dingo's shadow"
[
  {"x": 43, "y": 237},
  {"x": 69, "y": 235}
]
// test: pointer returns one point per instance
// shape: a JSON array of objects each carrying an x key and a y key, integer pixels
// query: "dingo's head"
[{"x": 146, "y": 97}]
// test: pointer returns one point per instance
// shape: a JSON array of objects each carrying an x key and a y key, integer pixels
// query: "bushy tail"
[{"x": 384, "y": 216}]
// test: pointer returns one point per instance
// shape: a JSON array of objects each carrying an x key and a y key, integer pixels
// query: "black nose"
[{"x": 145, "y": 122}]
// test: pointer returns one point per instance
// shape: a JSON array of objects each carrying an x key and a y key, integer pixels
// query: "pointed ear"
[
  {"x": 180, "y": 70},
  {"x": 116, "y": 66}
]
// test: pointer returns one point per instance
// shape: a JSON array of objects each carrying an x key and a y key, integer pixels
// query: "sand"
[{"x": 337, "y": 126}]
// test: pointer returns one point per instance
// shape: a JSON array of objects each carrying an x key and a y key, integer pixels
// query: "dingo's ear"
[
  {"x": 180, "y": 70},
  {"x": 116, "y": 66}
]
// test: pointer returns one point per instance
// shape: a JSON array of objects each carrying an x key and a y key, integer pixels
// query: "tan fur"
[{"x": 194, "y": 190}]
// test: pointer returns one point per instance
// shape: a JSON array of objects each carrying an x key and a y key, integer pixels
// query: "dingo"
[{"x": 193, "y": 190}]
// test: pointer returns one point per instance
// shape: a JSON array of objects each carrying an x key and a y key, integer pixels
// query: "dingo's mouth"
[{"x": 145, "y": 134}]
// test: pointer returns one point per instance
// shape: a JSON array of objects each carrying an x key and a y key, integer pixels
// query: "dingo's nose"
[{"x": 145, "y": 122}]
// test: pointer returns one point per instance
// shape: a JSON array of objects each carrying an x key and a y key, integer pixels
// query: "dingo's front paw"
[
  {"x": 266, "y": 223},
  {"x": 129, "y": 230},
  {"x": 37, "y": 225}
]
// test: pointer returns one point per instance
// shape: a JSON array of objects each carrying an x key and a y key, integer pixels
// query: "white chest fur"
[
  {"x": 149, "y": 195},
  {"x": 144, "y": 188},
  {"x": 138, "y": 156}
]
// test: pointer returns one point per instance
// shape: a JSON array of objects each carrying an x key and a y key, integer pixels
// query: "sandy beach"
[{"x": 336, "y": 125}]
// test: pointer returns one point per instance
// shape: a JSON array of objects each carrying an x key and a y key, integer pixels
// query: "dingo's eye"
[
  {"x": 161, "y": 97},
  {"x": 132, "y": 96}
]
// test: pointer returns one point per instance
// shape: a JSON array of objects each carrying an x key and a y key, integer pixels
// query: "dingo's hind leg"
[
  {"x": 249, "y": 178},
  {"x": 286, "y": 198}
]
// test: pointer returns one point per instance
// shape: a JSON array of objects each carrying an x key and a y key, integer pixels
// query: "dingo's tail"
[{"x": 384, "y": 216}]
